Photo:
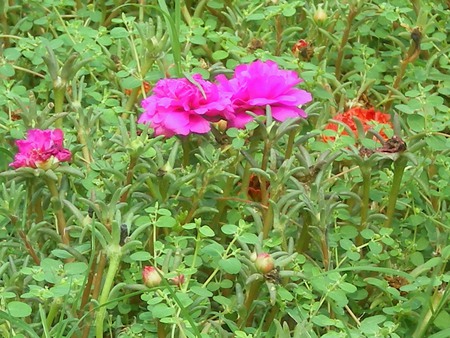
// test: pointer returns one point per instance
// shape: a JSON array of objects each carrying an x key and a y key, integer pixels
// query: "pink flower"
[
  {"x": 41, "y": 149},
  {"x": 151, "y": 276},
  {"x": 180, "y": 107},
  {"x": 259, "y": 84}
]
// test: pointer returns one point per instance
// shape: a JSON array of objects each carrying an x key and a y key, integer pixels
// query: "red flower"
[
  {"x": 302, "y": 49},
  {"x": 254, "y": 188},
  {"x": 146, "y": 85},
  {"x": 368, "y": 117}
]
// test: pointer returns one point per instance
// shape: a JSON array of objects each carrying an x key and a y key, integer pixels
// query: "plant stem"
[
  {"x": 59, "y": 92},
  {"x": 365, "y": 171},
  {"x": 57, "y": 205},
  {"x": 253, "y": 292},
  {"x": 30, "y": 248},
  {"x": 351, "y": 15},
  {"x": 413, "y": 53},
  {"x": 399, "y": 168},
  {"x": 425, "y": 322},
  {"x": 114, "y": 262},
  {"x": 304, "y": 239},
  {"x": 53, "y": 311},
  {"x": 129, "y": 178},
  {"x": 290, "y": 144},
  {"x": 267, "y": 213}
]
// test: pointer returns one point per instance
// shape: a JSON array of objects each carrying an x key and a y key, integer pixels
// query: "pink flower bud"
[
  {"x": 264, "y": 263},
  {"x": 151, "y": 276},
  {"x": 178, "y": 280}
]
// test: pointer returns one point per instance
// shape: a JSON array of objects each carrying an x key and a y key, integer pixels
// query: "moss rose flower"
[
  {"x": 41, "y": 149},
  {"x": 181, "y": 107},
  {"x": 368, "y": 117},
  {"x": 256, "y": 85}
]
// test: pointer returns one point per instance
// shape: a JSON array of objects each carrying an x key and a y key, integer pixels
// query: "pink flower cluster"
[
  {"x": 183, "y": 106},
  {"x": 41, "y": 149}
]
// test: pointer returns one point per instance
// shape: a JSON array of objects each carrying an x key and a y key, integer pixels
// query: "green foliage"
[{"x": 360, "y": 242}]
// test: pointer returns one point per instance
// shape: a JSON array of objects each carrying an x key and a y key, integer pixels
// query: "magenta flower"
[
  {"x": 259, "y": 84},
  {"x": 180, "y": 107},
  {"x": 41, "y": 149}
]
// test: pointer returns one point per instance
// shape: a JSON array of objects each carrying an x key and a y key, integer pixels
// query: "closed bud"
[
  {"x": 151, "y": 276},
  {"x": 320, "y": 15},
  {"x": 178, "y": 280},
  {"x": 264, "y": 263}
]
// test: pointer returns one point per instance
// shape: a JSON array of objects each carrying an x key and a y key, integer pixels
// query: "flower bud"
[
  {"x": 264, "y": 263},
  {"x": 320, "y": 15},
  {"x": 178, "y": 280},
  {"x": 151, "y": 276}
]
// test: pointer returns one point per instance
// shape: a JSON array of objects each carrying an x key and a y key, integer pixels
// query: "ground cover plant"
[{"x": 224, "y": 168}]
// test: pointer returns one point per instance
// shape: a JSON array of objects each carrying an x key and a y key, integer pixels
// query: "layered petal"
[
  {"x": 260, "y": 84},
  {"x": 41, "y": 149},
  {"x": 181, "y": 106},
  {"x": 368, "y": 118}
]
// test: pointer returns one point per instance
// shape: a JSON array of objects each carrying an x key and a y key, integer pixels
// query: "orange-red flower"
[
  {"x": 368, "y": 117},
  {"x": 147, "y": 87},
  {"x": 303, "y": 49}
]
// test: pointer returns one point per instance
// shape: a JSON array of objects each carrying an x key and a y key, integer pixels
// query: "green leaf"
[
  {"x": 201, "y": 291},
  {"x": 231, "y": 265},
  {"x": 220, "y": 55},
  {"x": 339, "y": 297},
  {"x": 249, "y": 238},
  {"x": 437, "y": 142},
  {"x": 206, "y": 231},
  {"x": 19, "y": 309},
  {"x": 198, "y": 40},
  {"x": 416, "y": 122},
  {"x": 162, "y": 310},
  {"x": 140, "y": 256},
  {"x": 166, "y": 222},
  {"x": 322, "y": 320},
  {"x": 229, "y": 229},
  {"x": 76, "y": 268},
  {"x": 347, "y": 287},
  {"x": 7, "y": 70},
  {"x": 119, "y": 32}
]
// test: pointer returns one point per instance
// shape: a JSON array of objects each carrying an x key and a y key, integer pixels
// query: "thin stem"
[
  {"x": 129, "y": 178},
  {"x": 279, "y": 34},
  {"x": 351, "y": 15},
  {"x": 304, "y": 239},
  {"x": 268, "y": 213},
  {"x": 290, "y": 144},
  {"x": 59, "y": 92},
  {"x": 53, "y": 312},
  {"x": 399, "y": 169},
  {"x": 365, "y": 171},
  {"x": 426, "y": 320},
  {"x": 413, "y": 53},
  {"x": 253, "y": 292},
  {"x": 57, "y": 205},
  {"x": 30, "y": 248},
  {"x": 114, "y": 262}
]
